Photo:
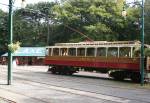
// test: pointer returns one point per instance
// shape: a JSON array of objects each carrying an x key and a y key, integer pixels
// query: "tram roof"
[{"x": 99, "y": 44}]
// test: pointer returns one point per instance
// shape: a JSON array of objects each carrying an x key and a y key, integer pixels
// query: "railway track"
[
  {"x": 90, "y": 94},
  {"x": 66, "y": 78},
  {"x": 4, "y": 100},
  {"x": 91, "y": 80},
  {"x": 68, "y": 90}
]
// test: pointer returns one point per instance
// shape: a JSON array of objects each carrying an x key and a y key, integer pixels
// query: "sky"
[{"x": 18, "y": 3}]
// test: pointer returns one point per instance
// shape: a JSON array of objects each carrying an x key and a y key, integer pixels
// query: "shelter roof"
[{"x": 29, "y": 51}]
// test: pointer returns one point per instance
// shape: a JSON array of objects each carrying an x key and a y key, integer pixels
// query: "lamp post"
[
  {"x": 142, "y": 46},
  {"x": 142, "y": 40},
  {"x": 10, "y": 33}
]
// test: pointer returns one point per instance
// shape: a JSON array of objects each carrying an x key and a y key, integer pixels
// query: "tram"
[{"x": 117, "y": 58}]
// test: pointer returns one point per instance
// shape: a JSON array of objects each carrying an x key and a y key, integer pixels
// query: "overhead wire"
[{"x": 79, "y": 32}]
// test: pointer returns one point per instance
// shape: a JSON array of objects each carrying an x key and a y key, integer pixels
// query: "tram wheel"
[
  {"x": 70, "y": 73},
  {"x": 135, "y": 77},
  {"x": 49, "y": 69},
  {"x": 53, "y": 70},
  {"x": 117, "y": 75}
]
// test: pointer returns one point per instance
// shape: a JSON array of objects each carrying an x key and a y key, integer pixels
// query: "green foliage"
[
  {"x": 137, "y": 50},
  {"x": 147, "y": 52},
  {"x": 147, "y": 21},
  {"x": 3, "y": 31},
  {"x": 97, "y": 19},
  {"x": 88, "y": 16},
  {"x": 14, "y": 46},
  {"x": 31, "y": 24}
]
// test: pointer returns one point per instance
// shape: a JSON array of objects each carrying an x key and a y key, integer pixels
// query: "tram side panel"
[
  {"x": 118, "y": 68},
  {"x": 132, "y": 64}
]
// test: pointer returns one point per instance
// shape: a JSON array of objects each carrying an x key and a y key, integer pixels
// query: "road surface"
[{"x": 33, "y": 84}]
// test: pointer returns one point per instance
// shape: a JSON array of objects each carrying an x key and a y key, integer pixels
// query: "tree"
[
  {"x": 30, "y": 24},
  {"x": 147, "y": 21},
  {"x": 98, "y": 19},
  {"x": 3, "y": 31}
]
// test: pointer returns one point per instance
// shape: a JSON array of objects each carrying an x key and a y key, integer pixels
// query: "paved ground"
[
  {"x": 4, "y": 100},
  {"x": 32, "y": 84}
]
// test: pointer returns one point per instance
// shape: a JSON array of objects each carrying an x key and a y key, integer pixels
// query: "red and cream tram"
[{"x": 116, "y": 58}]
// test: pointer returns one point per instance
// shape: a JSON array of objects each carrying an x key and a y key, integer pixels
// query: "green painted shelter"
[
  {"x": 29, "y": 55},
  {"x": 29, "y": 51}
]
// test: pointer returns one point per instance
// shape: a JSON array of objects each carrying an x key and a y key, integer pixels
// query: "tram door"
[{"x": 148, "y": 63}]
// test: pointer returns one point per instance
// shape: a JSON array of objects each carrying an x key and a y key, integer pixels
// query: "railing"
[{"x": 100, "y": 43}]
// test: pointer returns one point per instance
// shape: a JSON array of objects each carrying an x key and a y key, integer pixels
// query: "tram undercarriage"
[{"x": 115, "y": 74}]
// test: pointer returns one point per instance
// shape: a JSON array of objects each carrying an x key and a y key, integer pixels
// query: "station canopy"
[{"x": 29, "y": 51}]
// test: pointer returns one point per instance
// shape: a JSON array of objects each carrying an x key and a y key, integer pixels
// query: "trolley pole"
[
  {"x": 10, "y": 32},
  {"x": 142, "y": 46}
]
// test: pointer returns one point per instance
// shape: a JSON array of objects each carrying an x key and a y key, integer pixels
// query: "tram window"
[
  {"x": 124, "y": 52},
  {"x": 63, "y": 51},
  {"x": 55, "y": 51},
  {"x": 49, "y": 51},
  {"x": 81, "y": 51},
  {"x": 136, "y": 52},
  {"x": 72, "y": 51},
  {"x": 112, "y": 52},
  {"x": 90, "y": 51},
  {"x": 101, "y": 51}
]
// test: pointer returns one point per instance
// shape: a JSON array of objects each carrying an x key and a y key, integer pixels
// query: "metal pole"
[
  {"x": 10, "y": 32},
  {"x": 142, "y": 47}
]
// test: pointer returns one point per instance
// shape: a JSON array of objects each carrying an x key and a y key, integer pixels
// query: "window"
[
  {"x": 63, "y": 52},
  {"x": 81, "y": 51},
  {"x": 125, "y": 52},
  {"x": 55, "y": 51},
  {"x": 101, "y": 51},
  {"x": 90, "y": 52},
  {"x": 49, "y": 51},
  {"x": 72, "y": 52},
  {"x": 112, "y": 52}
]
